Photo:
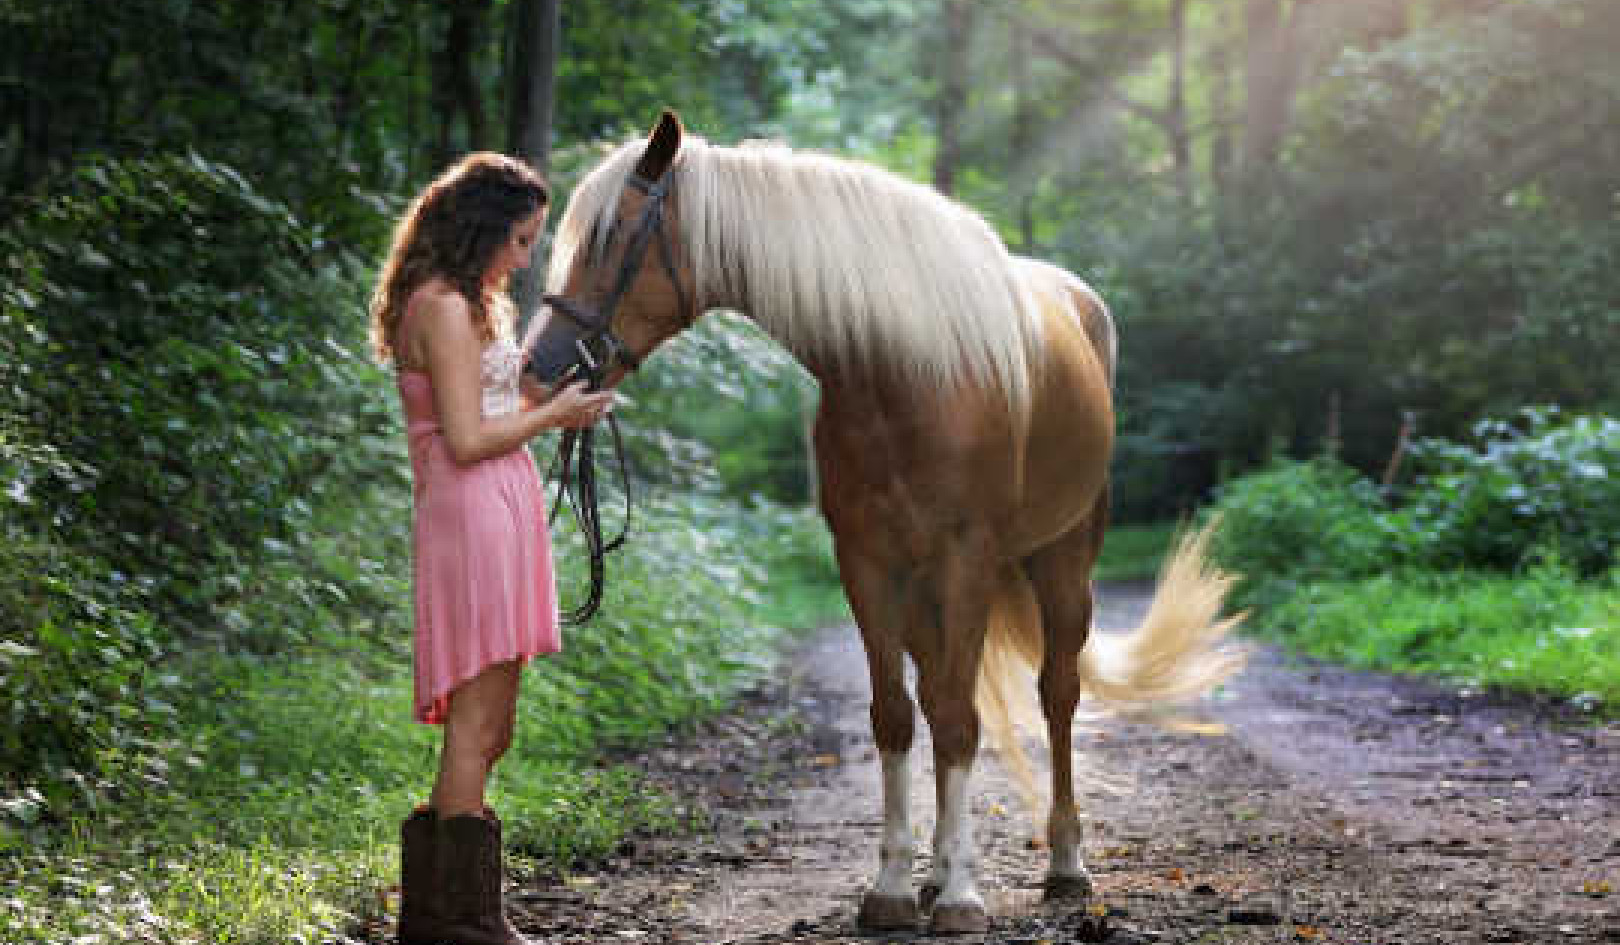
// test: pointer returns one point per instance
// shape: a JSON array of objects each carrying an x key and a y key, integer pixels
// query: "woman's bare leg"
[{"x": 477, "y": 731}]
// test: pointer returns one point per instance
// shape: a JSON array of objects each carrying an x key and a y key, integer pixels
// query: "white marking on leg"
[
  {"x": 1063, "y": 837},
  {"x": 899, "y": 846},
  {"x": 955, "y": 857}
]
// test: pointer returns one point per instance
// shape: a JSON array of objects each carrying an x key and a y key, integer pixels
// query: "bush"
[
  {"x": 187, "y": 345},
  {"x": 1298, "y": 521},
  {"x": 186, "y": 420},
  {"x": 1533, "y": 489},
  {"x": 1535, "y": 485}
]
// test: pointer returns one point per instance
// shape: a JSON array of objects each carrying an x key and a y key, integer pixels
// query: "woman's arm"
[{"x": 454, "y": 353}]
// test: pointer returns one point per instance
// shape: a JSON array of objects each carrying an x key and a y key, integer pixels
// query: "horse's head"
[{"x": 628, "y": 285}]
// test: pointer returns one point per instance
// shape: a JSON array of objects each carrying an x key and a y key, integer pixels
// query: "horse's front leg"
[{"x": 891, "y": 903}]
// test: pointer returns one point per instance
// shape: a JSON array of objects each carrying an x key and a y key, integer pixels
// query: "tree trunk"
[
  {"x": 455, "y": 87},
  {"x": 1272, "y": 51},
  {"x": 537, "y": 33},
  {"x": 519, "y": 69},
  {"x": 951, "y": 101},
  {"x": 1220, "y": 114},
  {"x": 1176, "y": 109},
  {"x": 1022, "y": 138}
]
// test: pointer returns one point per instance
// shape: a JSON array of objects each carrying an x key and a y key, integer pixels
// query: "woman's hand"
[{"x": 575, "y": 406}]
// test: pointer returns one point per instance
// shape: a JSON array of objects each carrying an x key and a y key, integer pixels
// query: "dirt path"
[{"x": 1341, "y": 807}]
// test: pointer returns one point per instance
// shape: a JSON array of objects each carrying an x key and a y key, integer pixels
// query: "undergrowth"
[
  {"x": 1134, "y": 552},
  {"x": 1543, "y": 631},
  {"x": 271, "y": 815},
  {"x": 1497, "y": 565}
]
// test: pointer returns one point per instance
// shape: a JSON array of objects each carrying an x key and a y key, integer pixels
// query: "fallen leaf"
[
  {"x": 1098, "y": 908},
  {"x": 1307, "y": 933},
  {"x": 1175, "y": 874},
  {"x": 1597, "y": 887}
]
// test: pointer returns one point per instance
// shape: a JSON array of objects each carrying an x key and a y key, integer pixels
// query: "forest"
[{"x": 1363, "y": 257}]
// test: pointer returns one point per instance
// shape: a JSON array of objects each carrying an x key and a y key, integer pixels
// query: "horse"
[{"x": 962, "y": 442}]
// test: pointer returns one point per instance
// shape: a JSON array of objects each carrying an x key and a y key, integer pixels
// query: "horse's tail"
[
  {"x": 1004, "y": 695},
  {"x": 1181, "y": 650},
  {"x": 1183, "y": 647}
]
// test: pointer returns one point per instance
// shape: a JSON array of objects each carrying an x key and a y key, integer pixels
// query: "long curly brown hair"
[{"x": 452, "y": 230}]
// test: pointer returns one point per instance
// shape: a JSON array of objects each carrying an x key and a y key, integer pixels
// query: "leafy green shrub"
[
  {"x": 1297, "y": 521},
  {"x": 722, "y": 407},
  {"x": 186, "y": 432},
  {"x": 80, "y": 696},
  {"x": 288, "y": 774},
  {"x": 188, "y": 345},
  {"x": 1530, "y": 489},
  {"x": 1539, "y": 483}
]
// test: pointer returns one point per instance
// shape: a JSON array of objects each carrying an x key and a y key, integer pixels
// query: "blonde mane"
[{"x": 842, "y": 262}]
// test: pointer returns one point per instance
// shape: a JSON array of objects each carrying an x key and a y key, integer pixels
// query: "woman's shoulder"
[{"x": 439, "y": 304}]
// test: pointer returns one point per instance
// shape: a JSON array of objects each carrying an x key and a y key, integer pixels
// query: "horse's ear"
[{"x": 662, "y": 145}]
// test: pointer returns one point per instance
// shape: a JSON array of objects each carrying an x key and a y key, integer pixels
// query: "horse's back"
[{"x": 1082, "y": 301}]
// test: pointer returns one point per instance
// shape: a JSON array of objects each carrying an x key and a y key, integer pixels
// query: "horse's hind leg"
[
  {"x": 891, "y": 903},
  {"x": 952, "y": 602},
  {"x": 1061, "y": 575}
]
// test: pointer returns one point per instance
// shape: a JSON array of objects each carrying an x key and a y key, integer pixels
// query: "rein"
[
  {"x": 577, "y": 452},
  {"x": 595, "y": 351}
]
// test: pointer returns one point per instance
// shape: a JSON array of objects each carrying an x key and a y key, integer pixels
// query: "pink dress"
[{"x": 485, "y": 591}]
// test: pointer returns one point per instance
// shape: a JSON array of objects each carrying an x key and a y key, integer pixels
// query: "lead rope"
[{"x": 576, "y": 459}]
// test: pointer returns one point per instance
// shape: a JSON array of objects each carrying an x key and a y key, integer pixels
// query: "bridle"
[
  {"x": 595, "y": 351},
  {"x": 597, "y": 347}
]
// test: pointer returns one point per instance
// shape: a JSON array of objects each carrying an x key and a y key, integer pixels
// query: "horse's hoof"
[
  {"x": 1068, "y": 887},
  {"x": 959, "y": 919},
  {"x": 927, "y": 895},
  {"x": 884, "y": 913}
]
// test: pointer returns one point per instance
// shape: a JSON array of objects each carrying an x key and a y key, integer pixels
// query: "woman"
[{"x": 484, "y": 594}]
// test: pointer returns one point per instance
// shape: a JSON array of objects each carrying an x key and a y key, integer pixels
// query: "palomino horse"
[{"x": 962, "y": 441}]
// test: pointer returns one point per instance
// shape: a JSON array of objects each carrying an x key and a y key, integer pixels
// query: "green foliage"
[
  {"x": 1498, "y": 565},
  {"x": 270, "y": 811},
  {"x": 1134, "y": 552},
  {"x": 1544, "y": 630},
  {"x": 186, "y": 415},
  {"x": 1522, "y": 489},
  {"x": 1300, "y": 521},
  {"x": 179, "y": 337},
  {"x": 1527, "y": 491},
  {"x": 723, "y": 407},
  {"x": 82, "y": 694}
]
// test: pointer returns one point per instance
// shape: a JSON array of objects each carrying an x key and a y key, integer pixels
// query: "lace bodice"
[{"x": 502, "y": 364}]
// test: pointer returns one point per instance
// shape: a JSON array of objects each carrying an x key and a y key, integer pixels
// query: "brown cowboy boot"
[
  {"x": 420, "y": 897},
  {"x": 470, "y": 877}
]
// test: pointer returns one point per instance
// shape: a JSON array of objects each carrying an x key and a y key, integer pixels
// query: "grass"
[
  {"x": 274, "y": 817},
  {"x": 1543, "y": 631},
  {"x": 1134, "y": 552},
  {"x": 280, "y": 824},
  {"x": 808, "y": 594}
]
